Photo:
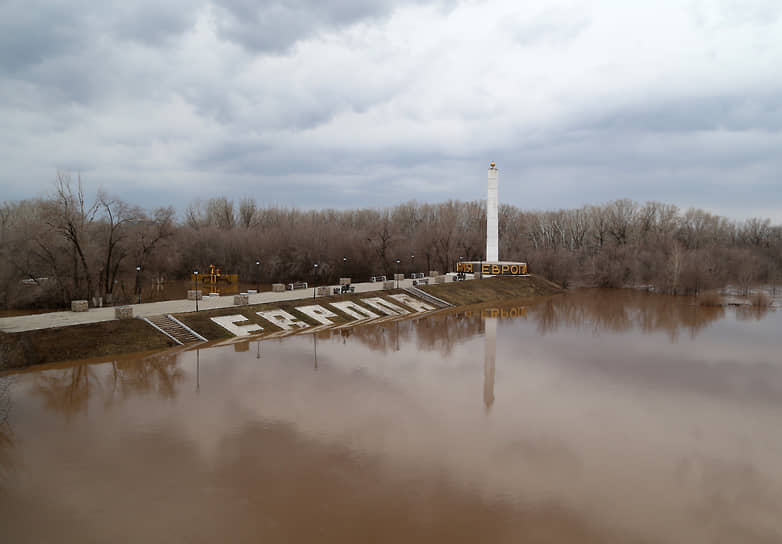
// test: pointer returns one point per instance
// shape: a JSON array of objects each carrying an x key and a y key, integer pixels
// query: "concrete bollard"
[
  {"x": 194, "y": 294},
  {"x": 278, "y": 287},
  {"x": 79, "y": 306},
  {"x": 344, "y": 281},
  {"x": 241, "y": 300},
  {"x": 123, "y": 312},
  {"x": 389, "y": 284}
]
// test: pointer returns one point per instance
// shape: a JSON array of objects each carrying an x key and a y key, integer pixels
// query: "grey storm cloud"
[
  {"x": 275, "y": 26},
  {"x": 354, "y": 103}
]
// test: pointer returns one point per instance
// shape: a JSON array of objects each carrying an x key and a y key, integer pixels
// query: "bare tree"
[
  {"x": 70, "y": 216},
  {"x": 117, "y": 217},
  {"x": 247, "y": 211}
]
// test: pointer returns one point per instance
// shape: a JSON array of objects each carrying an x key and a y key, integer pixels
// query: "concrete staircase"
[
  {"x": 174, "y": 329},
  {"x": 420, "y": 293}
]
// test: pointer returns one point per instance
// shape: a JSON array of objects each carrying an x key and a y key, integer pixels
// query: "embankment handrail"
[
  {"x": 423, "y": 294},
  {"x": 188, "y": 329},
  {"x": 164, "y": 332}
]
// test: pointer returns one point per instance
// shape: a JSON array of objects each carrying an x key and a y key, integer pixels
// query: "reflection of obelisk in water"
[
  {"x": 490, "y": 353},
  {"x": 492, "y": 227}
]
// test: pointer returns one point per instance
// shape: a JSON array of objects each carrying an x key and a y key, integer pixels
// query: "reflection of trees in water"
[
  {"x": 438, "y": 332},
  {"x": 68, "y": 390},
  {"x": 746, "y": 312},
  {"x": 157, "y": 373},
  {"x": 595, "y": 309},
  {"x": 6, "y": 432},
  {"x": 621, "y": 311}
]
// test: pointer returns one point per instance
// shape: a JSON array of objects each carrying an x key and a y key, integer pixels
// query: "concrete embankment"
[{"x": 113, "y": 337}]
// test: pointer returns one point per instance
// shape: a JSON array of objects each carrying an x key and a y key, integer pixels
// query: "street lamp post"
[
  {"x": 257, "y": 275},
  {"x": 195, "y": 291},
  {"x": 344, "y": 262},
  {"x": 412, "y": 262},
  {"x": 315, "y": 289},
  {"x": 397, "y": 273},
  {"x": 138, "y": 285}
]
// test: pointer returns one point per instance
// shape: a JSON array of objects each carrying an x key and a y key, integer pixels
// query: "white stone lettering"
[
  {"x": 413, "y": 303},
  {"x": 282, "y": 319},
  {"x": 384, "y": 306},
  {"x": 318, "y": 313},
  {"x": 227, "y": 322},
  {"x": 354, "y": 310}
]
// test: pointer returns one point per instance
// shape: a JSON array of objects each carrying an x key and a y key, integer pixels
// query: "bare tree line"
[{"x": 69, "y": 246}]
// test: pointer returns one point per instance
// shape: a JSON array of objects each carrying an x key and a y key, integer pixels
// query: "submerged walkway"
[{"x": 95, "y": 315}]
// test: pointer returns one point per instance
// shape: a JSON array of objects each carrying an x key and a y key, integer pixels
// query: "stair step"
[{"x": 173, "y": 329}]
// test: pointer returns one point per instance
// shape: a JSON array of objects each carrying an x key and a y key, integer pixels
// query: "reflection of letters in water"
[
  {"x": 228, "y": 322},
  {"x": 318, "y": 313},
  {"x": 500, "y": 313},
  {"x": 489, "y": 357},
  {"x": 282, "y": 319}
]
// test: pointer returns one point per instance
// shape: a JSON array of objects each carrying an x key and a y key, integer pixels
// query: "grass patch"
[
  {"x": 496, "y": 289},
  {"x": 21, "y": 349}
]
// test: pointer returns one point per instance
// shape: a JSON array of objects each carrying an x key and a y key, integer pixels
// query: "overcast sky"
[{"x": 343, "y": 103}]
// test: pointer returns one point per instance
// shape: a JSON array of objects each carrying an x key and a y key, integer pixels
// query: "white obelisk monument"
[{"x": 492, "y": 228}]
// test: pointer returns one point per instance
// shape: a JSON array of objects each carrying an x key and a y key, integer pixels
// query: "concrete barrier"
[
  {"x": 344, "y": 281},
  {"x": 79, "y": 306},
  {"x": 123, "y": 312},
  {"x": 194, "y": 294},
  {"x": 389, "y": 284},
  {"x": 439, "y": 279},
  {"x": 241, "y": 300},
  {"x": 278, "y": 287}
]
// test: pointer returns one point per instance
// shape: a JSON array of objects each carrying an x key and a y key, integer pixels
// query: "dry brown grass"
[
  {"x": 711, "y": 299},
  {"x": 22, "y": 349},
  {"x": 495, "y": 289}
]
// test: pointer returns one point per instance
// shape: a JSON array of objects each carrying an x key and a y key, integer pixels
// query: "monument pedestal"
[{"x": 496, "y": 268}]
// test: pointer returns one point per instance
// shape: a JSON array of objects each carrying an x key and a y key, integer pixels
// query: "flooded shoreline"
[{"x": 594, "y": 416}]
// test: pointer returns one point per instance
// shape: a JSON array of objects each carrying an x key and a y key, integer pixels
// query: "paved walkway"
[{"x": 96, "y": 315}]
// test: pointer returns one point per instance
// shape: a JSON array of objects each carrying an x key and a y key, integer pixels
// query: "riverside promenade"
[{"x": 96, "y": 315}]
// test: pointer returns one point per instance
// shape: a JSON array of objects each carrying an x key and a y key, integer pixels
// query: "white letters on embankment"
[
  {"x": 96, "y": 315},
  {"x": 358, "y": 312}
]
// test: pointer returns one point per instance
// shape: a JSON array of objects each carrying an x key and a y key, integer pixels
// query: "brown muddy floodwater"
[{"x": 589, "y": 417}]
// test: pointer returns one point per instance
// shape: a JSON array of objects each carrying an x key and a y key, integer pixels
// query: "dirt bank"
[
  {"x": 18, "y": 350},
  {"x": 41, "y": 346},
  {"x": 496, "y": 289}
]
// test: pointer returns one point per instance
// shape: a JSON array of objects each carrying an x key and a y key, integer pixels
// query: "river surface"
[{"x": 594, "y": 416}]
